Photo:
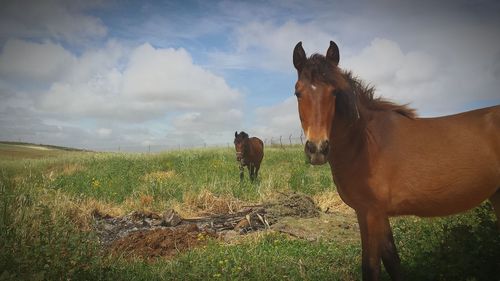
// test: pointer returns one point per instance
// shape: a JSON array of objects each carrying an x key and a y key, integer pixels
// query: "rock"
[
  {"x": 108, "y": 227},
  {"x": 242, "y": 224},
  {"x": 171, "y": 218}
]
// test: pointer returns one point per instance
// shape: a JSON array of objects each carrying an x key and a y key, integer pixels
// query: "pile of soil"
[
  {"x": 166, "y": 242},
  {"x": 110, "y": 228},
  {"x": 151, "y": 235},
  {"x": 292, "y": 205}
]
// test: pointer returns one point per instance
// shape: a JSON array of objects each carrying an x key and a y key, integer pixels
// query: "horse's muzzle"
[
  {"x": 239, "y": 156},
  {"x": 317, "y": 152}
]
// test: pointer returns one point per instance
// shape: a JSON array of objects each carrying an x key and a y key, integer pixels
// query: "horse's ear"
[
  {"x": 299, "y": 57},
  {"x": 332, "y": 55},
  {"x": 236, "y": 134}
]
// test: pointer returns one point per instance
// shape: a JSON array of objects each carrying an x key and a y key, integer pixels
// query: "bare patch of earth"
[
  {"x": 161, "y": 242},
  {"x": 151, "y": 235}
]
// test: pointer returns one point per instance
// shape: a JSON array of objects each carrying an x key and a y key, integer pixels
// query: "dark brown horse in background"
[
  {"x": 249, "y": 152},
  {"x": 387, "y": 162}
]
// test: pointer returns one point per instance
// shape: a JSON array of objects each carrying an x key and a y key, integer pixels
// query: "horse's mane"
[{"x": 351, "y": 92}]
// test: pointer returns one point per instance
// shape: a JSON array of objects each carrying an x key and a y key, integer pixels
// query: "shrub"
[{"x": 461, "y": 247}]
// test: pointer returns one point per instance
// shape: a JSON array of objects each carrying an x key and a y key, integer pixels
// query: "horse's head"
[
  {"x": 316, "y": 95},
  {"x": 239, "y": 144}
]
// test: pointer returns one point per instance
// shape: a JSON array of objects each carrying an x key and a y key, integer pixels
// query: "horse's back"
[
  {"x": 468, "y": 134},
  {"x": 484, "y": 120},
  {"x": 443, "y": 165},
  {"x": 257, "y": 148},
  {"x": 478, "y": 129},
  {"x": 492, "y": 124},
  {"x": 492, "y": 128}
]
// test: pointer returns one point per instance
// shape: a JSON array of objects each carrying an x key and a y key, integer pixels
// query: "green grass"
[
  {"x": 115, "y": 177},
  {"x": 460, "y": 247},
  {"x": 44, "y": 235},
  {"x": 274, "y": 257}
]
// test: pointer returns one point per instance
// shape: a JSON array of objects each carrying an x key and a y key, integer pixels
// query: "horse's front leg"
[
  {"x": 378, "y": 244},
  {"x": 390, "y": 256},
  {"x": 251, "y": 170},
  {"x": 242, "y": 172}
]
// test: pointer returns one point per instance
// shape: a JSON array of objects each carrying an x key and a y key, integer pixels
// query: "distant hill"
[
  {"x": 22, "y": 150},
  {"x": 42, "y": 145}
]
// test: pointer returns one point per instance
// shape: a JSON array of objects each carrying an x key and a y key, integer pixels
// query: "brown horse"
[
  {"x": 387, "y": 162},
  {"x": 249, "y": 152}
]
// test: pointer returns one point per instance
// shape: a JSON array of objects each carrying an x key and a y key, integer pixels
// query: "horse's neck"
[{"x": 349, "y": 141}]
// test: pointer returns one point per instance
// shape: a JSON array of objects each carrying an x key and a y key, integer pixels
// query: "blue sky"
[{"x": 129, "y": 74}]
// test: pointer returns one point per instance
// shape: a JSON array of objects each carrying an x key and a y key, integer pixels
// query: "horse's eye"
[{"x": 297, "y": 94}]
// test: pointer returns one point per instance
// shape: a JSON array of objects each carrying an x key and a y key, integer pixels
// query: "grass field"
[{"x": 47, "y": 196}]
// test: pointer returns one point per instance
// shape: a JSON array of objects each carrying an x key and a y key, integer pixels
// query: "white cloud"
[
  {"x": 55, "y": 19},
  {"x": 281, "y": 119},
  {"x": 34, "y": 61},
  {"x": 95, "y": 63},
  {"x": 269, "y": 46},
  {"x": 212, "y": 127},
  {"x": 441, "y": 63},
  {"x": 152, "y": 83},
  {"x": 208, "y": 122},
  {"x": 430, "y": 83},
  {"x": 63, "y": 78},
  {"x": 169, "y": 76},
  {"x": 122, "y": 85},
  {"x": 394, "y": 74},
  {"x": 384, "y": 61},
  {"x": 104, "y": 132}
]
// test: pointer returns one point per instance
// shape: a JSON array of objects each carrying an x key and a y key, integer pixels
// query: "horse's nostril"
[
  {"x": 324, "y": 147},
  {"x": 310, "y": 147}
]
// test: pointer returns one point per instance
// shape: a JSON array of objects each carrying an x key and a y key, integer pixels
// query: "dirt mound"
[
  {"x": 151, "y": 235},
  {"x": 164, "y": 242},
  {"x": 291, "y": 205},
  {"x": 109, "y": 228}
]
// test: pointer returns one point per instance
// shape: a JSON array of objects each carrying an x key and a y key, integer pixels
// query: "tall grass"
[
  {"x": 38, "y": 239},
  {"x": 45, "y": 232},
  {"x": 169, "y": 176},
  {"x": 272, "y": 257},
  {"x": 460, "y": 247}
]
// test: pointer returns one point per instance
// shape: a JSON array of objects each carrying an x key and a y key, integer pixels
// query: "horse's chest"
[
  {"x": 354, "y": 189},
  {"x": 353, "y": 192},
  {"x": 246, "y": 161},
  {"x": 345, "y": 196}
]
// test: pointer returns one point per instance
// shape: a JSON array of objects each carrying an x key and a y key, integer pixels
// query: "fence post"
[
  {"x": 281, "y": 143},
  {"x": 301, "y": 134},
  {"x": 290, "y": 138}
]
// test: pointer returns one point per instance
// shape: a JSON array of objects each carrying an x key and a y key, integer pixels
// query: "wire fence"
[{"x": 282, "y": 141}]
